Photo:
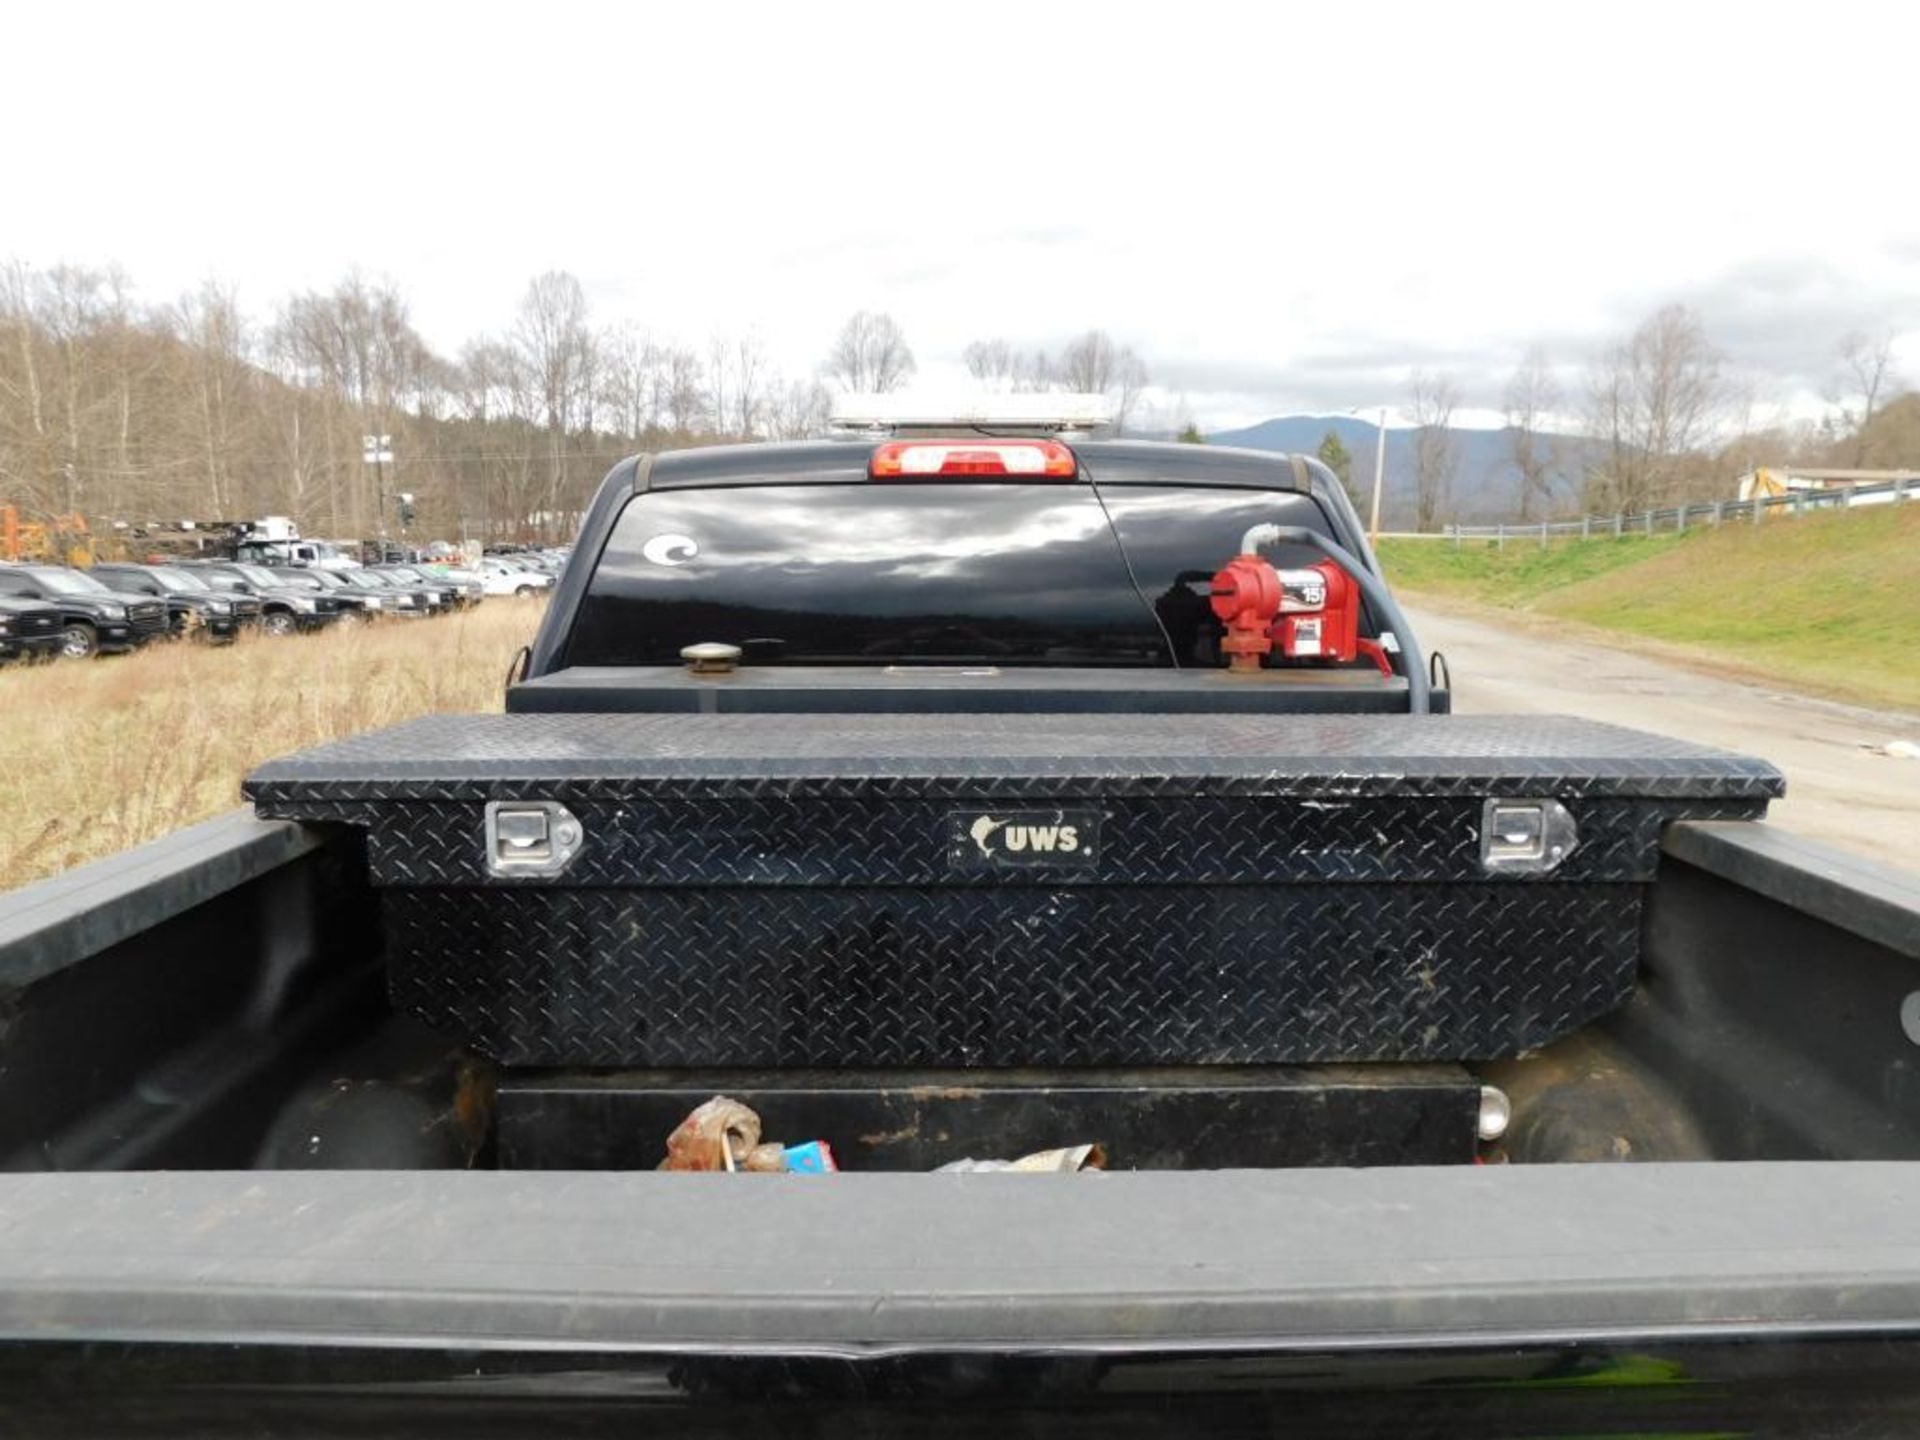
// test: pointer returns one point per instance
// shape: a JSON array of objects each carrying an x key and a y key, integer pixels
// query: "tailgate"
[{"x": 1576, "y": 1300}]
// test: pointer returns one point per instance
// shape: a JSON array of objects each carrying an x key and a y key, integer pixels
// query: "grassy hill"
[{"x": 1829, "y": 604}]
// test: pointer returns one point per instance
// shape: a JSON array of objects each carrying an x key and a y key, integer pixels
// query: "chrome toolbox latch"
[
  {"x": 1525, "y": 837},
  {"x": 531, "y": 837}
]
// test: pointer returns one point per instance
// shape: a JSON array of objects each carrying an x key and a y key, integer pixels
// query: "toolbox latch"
[
  {"x": 1525, "y": 837},
  {"x": 531, "y": 837}
]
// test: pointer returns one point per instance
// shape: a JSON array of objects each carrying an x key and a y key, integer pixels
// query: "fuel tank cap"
[{"x": 711, "y": 657}]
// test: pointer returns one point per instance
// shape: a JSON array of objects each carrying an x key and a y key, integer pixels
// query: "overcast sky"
[{"x": 1281, "y": 211}]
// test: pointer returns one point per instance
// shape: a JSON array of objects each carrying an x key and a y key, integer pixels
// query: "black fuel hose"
[{"x": 1413, "y": 665}]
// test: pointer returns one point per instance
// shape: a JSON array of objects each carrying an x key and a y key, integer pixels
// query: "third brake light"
[{"x": 934, "y": 459}]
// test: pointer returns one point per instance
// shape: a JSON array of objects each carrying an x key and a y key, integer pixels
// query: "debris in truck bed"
[
  {"x": 723, "y": 1134},
  {"x": 1045, "y": 1162},
  {"x": 815, "y": 1157}
]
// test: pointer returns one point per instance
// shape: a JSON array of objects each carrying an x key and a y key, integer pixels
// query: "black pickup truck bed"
[
  {"x": 1533, "y": 946},
  {"x": 166, "y": 1004}
]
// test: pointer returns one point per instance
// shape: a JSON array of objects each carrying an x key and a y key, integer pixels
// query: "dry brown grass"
[{"x": 99, "y": 755}]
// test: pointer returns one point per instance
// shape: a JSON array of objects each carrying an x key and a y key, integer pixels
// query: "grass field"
[
  {"x": 99, "y": 755},
  {"x": 1826, "y": 603}
]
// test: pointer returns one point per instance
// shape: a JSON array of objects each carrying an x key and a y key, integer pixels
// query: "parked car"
[
  {"x": 451, "y": 596},
  {"x": 500, "y": 575},
  {"x": 357, "y": 602},
  {"x": 397, "y": 599},
  {"x": 193, "y": 607},
  {"x": 466, "y": 579},
  {"x": 284, "y": 609},
  {"x": 29, "y": 630},
  {"x": 422, "y": 599},
  {"x": 94, "y": 620}
]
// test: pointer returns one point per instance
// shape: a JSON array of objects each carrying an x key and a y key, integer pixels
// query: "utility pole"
[
  {"x": 1379, "y": 477},
  {"x": 377, "y": 451}
]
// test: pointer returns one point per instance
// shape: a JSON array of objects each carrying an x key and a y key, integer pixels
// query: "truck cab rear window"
[{"x": 1005, "y": 574}]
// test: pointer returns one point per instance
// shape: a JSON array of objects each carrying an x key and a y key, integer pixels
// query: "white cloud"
[{"x": 1250, "y": 193}]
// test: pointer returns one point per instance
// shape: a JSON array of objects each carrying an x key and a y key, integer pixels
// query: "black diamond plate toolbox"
[{"x": 919, "y": 890}]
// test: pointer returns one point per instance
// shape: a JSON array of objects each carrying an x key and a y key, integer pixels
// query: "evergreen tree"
[{"x": 1335, "y": 457}]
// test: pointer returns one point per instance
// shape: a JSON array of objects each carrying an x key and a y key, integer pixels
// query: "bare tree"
[
  {"x": 1653, "y": 401},
  {"x": 1868, "y": 362},
  {"x": 870, "y": 355},
  {"x": 682, "y": 386},
  {"x": 993, "y": 362},
  {"x": 629, "y": 394},
  {"x": 1531, "y": 399},
  {"x": 1095, "y": 365},
  {"x": 556, "y": 345},
  {"x": 357, "y": 345},
  {"x": 1091, "y": 364},
  {"x": 717, "y": 374},
  {"x": 210, "y": 323},
  {"x": 1130, "y": 383},
  {"x": 30, "y": 450},
  {"x": 552, "y": 336},
  {"x": 750, "y": 397},
  {"x": 796, "y": 409},
  {"x": 1434, "y": 398},
  {"x": 1035, "y": 371}
]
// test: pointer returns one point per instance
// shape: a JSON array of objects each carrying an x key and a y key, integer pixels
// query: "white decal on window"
[{"x": 670, "y": 549}]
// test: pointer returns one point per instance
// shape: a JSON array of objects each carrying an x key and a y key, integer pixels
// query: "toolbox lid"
[{"x": 478, "y": 757}]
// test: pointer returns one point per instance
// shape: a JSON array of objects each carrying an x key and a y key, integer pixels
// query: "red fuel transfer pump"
[{"x": 1310, "y": 614}]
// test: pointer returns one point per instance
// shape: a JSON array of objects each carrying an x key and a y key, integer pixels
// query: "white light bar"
[{"x": 920, "y": 411}]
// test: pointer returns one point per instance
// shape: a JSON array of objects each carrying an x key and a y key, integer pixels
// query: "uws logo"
[
  {"x": 1015, "y": 838},
  {"x": 1054, "y": 837}
]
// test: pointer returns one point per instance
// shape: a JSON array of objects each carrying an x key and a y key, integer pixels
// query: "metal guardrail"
[{"x": 1676, "y": 518}]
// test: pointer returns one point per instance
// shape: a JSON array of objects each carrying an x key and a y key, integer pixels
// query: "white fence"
[{"x": 1677, "y": 518}]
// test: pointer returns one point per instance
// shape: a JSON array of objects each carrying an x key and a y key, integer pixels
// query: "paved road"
[{"x": 1838, "y": 789}]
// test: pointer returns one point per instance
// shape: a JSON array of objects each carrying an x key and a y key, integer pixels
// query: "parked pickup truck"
[
  {"x": 29, "y": 630},
  {"x": 192, "y": 607},
  {"x": 284, "y": 609},
  {"x": 94, "y": 619},
  {"x": 953, "y": 795},
  {"x": 451, "y": 593},
  {"x": 356, "y": 602}
]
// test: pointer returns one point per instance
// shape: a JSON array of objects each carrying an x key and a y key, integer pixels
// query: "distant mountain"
[{"x": 1486, "y": 486}]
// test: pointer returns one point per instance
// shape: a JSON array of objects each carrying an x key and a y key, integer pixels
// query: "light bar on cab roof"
[
  {"x": 921, "y": 411},
  {"x": 931, "y": 460}
]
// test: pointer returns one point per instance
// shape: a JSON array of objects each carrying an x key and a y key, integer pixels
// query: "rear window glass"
[{"x": 1007, "y": 574}]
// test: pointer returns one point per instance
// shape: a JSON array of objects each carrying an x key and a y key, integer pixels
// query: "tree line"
[
  {"x": 195, "y": 409},
  {"x": 1658, "y": 419},
  {"x": 137, "y": 413}
]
